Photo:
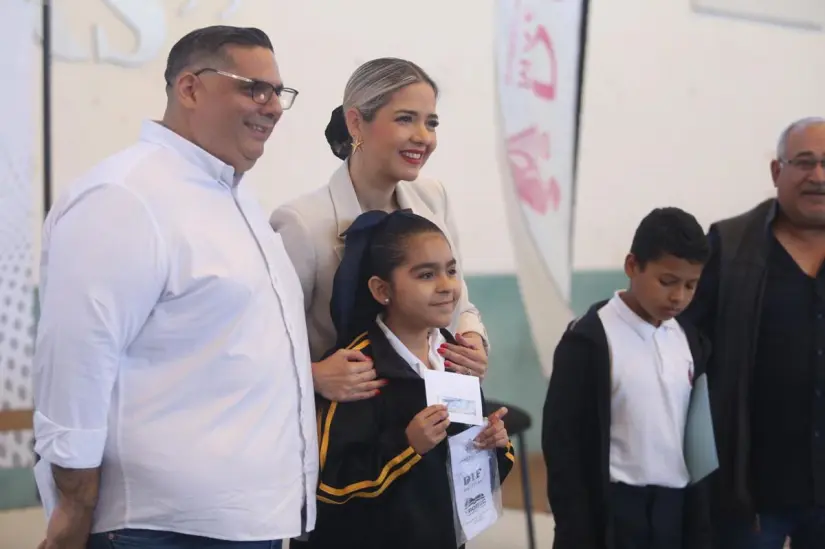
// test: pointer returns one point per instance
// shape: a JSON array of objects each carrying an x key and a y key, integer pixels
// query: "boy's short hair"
[{"x": 670, "y": 231}]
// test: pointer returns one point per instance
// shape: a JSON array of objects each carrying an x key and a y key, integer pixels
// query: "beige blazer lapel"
[
  {"x": 344, "y": 202},
  {"x": 409, "y": 199},
  {"x": 347, "y": 208}
]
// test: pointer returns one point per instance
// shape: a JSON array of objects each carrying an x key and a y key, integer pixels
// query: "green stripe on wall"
[
  {"x": 17, "y": 489},
  {"x": 592, "y": 286},
  {"x": 515, "y": 375}
]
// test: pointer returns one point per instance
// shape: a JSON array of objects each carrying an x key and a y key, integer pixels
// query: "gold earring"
[{"x": 357, "y": 145}]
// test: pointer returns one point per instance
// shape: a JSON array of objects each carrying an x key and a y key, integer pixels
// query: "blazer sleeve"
[
  {"x": 469, "y": 316},
  {"x": 359, "y": 459},
  {"x": 287, "y": 222},
  {"x": 506, "y": 457},
  {"x": 569, "y": 420}
]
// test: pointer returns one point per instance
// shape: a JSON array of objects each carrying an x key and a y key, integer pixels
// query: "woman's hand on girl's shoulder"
[
  {"x": 468, "y": 357},
  {"x": 346, "y": 376}
]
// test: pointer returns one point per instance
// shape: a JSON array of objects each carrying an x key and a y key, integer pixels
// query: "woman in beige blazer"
[{"x": 384, "y": 132}]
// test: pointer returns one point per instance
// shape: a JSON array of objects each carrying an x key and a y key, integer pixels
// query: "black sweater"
[{"x": 375, "y": 491}]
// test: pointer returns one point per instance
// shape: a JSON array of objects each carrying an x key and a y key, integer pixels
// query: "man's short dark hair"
[
  {"x": 209, "y": 42},
  {"x": 670, "y": 231}
]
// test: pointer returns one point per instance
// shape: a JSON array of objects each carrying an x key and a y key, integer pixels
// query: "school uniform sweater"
[
  {"x": 375, "y": 490},
  {"x": 576, "y": 440}
]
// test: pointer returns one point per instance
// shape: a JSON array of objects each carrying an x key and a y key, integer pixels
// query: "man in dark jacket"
[{"x": 761, "y": 301}]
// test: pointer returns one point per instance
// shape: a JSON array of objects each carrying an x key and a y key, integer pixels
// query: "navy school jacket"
[
  {"x": 374, "y": 490},
  {"x": 576, "y": 440}
]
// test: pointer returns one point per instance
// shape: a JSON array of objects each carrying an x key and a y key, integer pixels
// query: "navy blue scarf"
[{"x": 352, "y": 307}]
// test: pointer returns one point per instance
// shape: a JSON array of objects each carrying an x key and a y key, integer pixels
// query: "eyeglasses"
[
  {"x": 805, "y": 164},
  {"x": 260, "y": 91}
]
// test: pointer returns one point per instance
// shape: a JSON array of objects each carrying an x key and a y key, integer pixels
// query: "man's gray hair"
[{"x": 801, "y": 124}]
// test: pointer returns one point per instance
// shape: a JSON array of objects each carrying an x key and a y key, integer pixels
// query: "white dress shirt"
[
  {"x": 435, "y": 359},
  {"x": 172, "y": 349},
  {"x": 651, "y": 371}
]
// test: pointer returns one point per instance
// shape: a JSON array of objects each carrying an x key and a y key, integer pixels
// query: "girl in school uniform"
[{"x": 384, "y": 479}]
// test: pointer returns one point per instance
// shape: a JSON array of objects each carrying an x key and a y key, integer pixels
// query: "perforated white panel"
[{"x": 16, "y": 222}]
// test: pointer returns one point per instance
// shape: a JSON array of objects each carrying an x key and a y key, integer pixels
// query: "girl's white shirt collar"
[{"x": 436, "y": 340}]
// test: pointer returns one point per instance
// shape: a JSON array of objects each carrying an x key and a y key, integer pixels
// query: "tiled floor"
[{"x": 24, "y": 530}]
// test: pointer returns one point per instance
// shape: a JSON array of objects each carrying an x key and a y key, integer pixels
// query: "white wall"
[
  {"x": 679, "y": 108},
  {"x": 98, "y": 107},
  {"x": 683, "y": 109}
]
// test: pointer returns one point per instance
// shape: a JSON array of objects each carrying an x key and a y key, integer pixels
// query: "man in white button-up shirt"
[{"x": 174, "y": 399}]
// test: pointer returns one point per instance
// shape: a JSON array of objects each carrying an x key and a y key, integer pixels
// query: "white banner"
[
  {"x": 537, "y": 49},
  {"x": 18, "y": 65}
]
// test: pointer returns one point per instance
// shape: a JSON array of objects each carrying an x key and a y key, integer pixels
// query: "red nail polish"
[{"x": 441, "y": 351}]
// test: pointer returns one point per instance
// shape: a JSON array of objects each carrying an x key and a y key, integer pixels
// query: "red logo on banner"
[
  {"x": 542, "y": 88},
  {"x": 523, "y": 152},
  {"x": 536, "y": 43},
  {"x": 531, "y": 66}
]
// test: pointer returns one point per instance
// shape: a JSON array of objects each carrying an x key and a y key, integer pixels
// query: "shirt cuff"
[
  {"x": 68, "y": 448},
  {"x": 470, "y": 322}
]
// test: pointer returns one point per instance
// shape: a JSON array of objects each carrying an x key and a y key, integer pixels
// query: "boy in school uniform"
[{"x": 616, "y": 408}]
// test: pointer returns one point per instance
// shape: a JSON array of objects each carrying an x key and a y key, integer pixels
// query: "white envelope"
[
  {"x": 701, "y": 457},
  {"x": 461, "y": 394}
]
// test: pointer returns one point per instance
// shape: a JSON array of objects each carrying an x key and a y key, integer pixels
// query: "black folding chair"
[{"x": 517, "y": 421}]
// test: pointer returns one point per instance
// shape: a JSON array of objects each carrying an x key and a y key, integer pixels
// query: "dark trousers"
[
  {"x": 151, "y": 539},
  {"x": 805, "y": 527},
  {"x": 646, "y": 517}
]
